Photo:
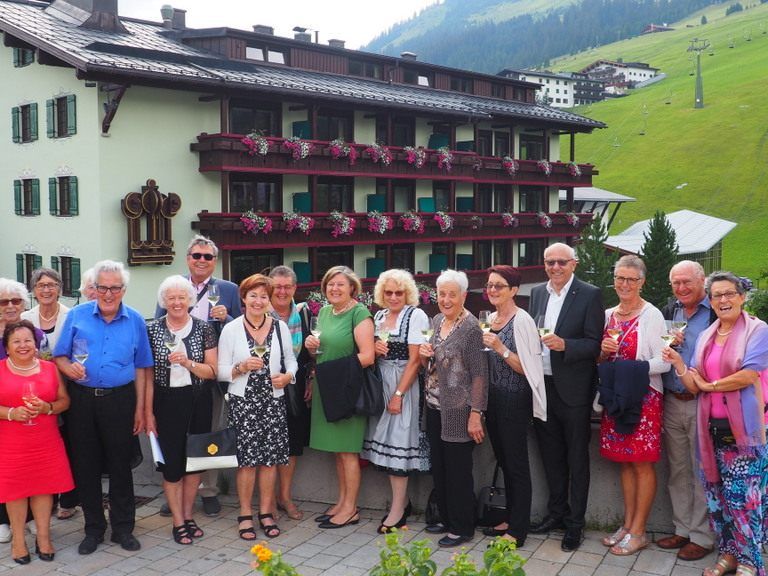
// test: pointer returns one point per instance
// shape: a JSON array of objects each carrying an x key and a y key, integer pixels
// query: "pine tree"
[
  {"x": 595, "y": 261},
  {"x": 659, "y": 253}
]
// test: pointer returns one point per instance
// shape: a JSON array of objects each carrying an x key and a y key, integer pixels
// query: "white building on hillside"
[{"x": 554, "y": 89}]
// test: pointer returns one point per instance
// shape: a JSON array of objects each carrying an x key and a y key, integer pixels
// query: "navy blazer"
[{"x": 580, "y": 324}]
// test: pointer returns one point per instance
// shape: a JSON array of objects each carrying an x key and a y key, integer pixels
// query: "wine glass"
[
  {"x": 669, "y": 336},
  {"x": 484, "y": 318},
  {"x": 541, "y": 324},
  {"x": 213, "y": 294},
  {"x": 314, "y": 328},
  {"x": 259, "y": 350},
  {"x": 679, "y": 322},
  {"x": 427, "y": 334},
  {"x": 171, "y": 341},
  {"x": 29, "y": 395},
  {"x": 80, "y": 353}
]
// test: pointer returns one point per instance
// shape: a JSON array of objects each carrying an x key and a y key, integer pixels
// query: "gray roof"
[
  {"x": 593, "y": 194},
  {"x": 695, "y": 232},
  {"x": 150, "y": 53}
]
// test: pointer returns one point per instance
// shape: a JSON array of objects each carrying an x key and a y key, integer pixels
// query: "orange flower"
[{"x": 262, "y": 553}]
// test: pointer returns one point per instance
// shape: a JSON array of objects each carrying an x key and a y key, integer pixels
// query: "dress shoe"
[
  {"x": 493, "y": 532},
  {"x": 354, "y": 519},
  {"x": 693, "y": 551},
  {"x": 672, "y": 542},
  {"x": 547, "y": 524},
  {"x": 572, "y": 539},
  {"x": 89, "y": 544},
  {"x": 126, "y": 541},
  {"x": 211, "y": 505},
  {"x": 23, "y": 559},
  {"x": 436, "y": 528},
  {"x": 384, "y": 529},
  {"x": 451, "y": 541},
  {"x": 44, "y": 556}
]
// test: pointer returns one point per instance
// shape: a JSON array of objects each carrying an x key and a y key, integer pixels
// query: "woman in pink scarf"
[{"x": 731, "y": 378}]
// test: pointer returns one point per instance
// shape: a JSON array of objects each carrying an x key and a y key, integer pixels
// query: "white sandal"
[{"x": 616, "y": 537}]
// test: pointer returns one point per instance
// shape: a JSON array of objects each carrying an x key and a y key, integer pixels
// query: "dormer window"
[
  {"x": 366, "y": 69},
  {"x": 263, "y": 53},
  {"x": 418, "y": 77},
  {"x": 460, "y": 84}
]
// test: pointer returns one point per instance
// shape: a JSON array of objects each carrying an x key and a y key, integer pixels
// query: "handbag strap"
[
  {"x": 496, "y": 474},
  {"x": 280, "y": 342}
]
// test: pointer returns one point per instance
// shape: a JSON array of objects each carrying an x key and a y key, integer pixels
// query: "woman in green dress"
[{"x": 344, "y": 324}]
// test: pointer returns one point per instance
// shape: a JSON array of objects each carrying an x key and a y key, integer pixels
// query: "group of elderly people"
[{"x": 446, "y": 381}]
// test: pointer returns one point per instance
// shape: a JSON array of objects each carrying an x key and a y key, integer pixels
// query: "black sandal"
[
  {"x": 194, "y": 530},
  {"x": 270, "y": 530},
  {"x": 180, "y": 534},
  {"x": 243, "y": 531}
]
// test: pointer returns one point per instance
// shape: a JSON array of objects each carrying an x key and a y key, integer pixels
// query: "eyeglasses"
[
  {"x": 198, "y": 255},
  {"x": 559, "y": 261},
  {"x": 622, "y": 280},
  {"x": 497, "y": 287},
  {"x": 390, "y": 293},
  {"x": 278, "y": 287},
  {"x": 111, "y": 289},
  {"x": 725, "y": 295},
  {"x": 47, "y": 285},
  {"x": 14, "y": 301}
]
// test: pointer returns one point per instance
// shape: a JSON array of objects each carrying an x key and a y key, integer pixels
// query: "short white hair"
[
  {"x": 175, "y": 282},
  {"x": 570, "y": 249},
  {"x": 110, "y": 266},
  {"x": 14, "y": 288},
  {"x": 87, "y": 278},
  {"x": 457, "y": 277}
]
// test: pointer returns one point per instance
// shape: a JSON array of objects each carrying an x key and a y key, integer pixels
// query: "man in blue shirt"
[
  {"x": 103, "y": 350},
  {"x": 689, "y": 508}
]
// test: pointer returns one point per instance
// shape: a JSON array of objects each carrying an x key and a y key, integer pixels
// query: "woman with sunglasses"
[{"x": 392, "y": 440}]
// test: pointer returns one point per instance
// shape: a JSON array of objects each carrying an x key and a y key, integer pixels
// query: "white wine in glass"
[
  {"x": 384, "y": 336},
  {"x": 541, "y": 324},
  {"x": 260, "y": 350},
  {"x": 484, "y": 318},
  {"x": 80, "y": 353},
  {"x": 314, "y": 328},
  {"x": 668, "y": 339},
  {"x": 29, "y": 395},
  {"x": 679, "y": 321},
  {"x": 171, "y": 341},
  {"x": 614, "y": 334}
]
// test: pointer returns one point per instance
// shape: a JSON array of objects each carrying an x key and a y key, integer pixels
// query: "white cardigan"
[
  {"x": 650, "y": 328},
  {"x": 233, "y": 348},
  {"x": 33, "y": 315},
  {"x": 528, "y": 346}
]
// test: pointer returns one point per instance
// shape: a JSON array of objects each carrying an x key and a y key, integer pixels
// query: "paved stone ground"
[{"x": 349, "y": 551}]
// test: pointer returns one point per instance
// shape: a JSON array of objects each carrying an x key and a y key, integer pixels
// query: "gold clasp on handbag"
[{"x": 212, "y": 449}]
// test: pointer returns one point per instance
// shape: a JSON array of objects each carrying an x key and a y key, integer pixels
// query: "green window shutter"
[
  {"x": 33, "y": 121},
  {"x": 16, "y": 57},
  {"x": 20, "y": 268},
  {"x": 50, "y": 115},
  {"x": 18, "y": 192},
  {"x": 37, "y": 262},
  {"x": 53, "y": 197},
  {"x": 16, "y": 121},
  {"x": 71, "y": 115},
  {"x": 55, "y": 263},
  {"x": 74, "y": 204},
  {"x": 36, "y": 197},
  {"x": 74, "y": 277}
]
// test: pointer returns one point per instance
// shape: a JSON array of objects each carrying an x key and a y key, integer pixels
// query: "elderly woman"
[
  {"x": 632, "y": 437},
  {"x": 730, "y": 376},
  {"x": 35, "y": 465},
  {"x": 392, "y": 439},
  {"x": 178, "y": 400},
  {"x": 345, "y": 329},
  {"x": 516, "y": 394},
  {"x": 256, "y": 357},
  {"x": 457, "y": 395},
  {"x": 49, "y": 314},
  {"x": 88, "y": 285}
]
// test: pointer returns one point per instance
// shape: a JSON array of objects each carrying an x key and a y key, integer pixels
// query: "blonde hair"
[
  {"x": 404, "y": 281},
  {"x": 348, "y": 273}
]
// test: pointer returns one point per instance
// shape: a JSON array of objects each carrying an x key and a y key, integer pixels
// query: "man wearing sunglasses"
[{"x": 573, "y": 313}]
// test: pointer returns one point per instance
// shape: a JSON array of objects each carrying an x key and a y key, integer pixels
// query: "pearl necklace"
[
  {"x": 35, "y": 364},
  {"x": 724, "y": 333},
  {"x": 349, "y": 305},
  {"x": 52, "y": 317}
]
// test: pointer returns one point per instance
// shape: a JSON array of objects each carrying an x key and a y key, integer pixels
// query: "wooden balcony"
[
  {"x": 226, "y": 229},
  {"x": 228, "y": 153}
]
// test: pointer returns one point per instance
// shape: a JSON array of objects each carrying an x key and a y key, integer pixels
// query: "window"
[
  {"x": 334, "y": 194},
  {"x": 501, "y": 143},
  {"x": 530, "y": 252},
  {"x": 69, "y": 268},
  {"x": 441, "y": 192},
  {"x": 367, "y": 69},
  {"x": 62, "y": 116},
  {"x": 62, "y": 196},
  {"x": 26, "y": 197},
  {"x": 247, "y": 262},
  {"x": 330, "y": 256},
  {"x": 502, "y": 251},
  {"x": 332, "y": 124},
  {"x": 531, "y": 198},
  {"x": 24, "y": 120},
  {"x": 404, "y": 192},
  {"x": 498, "y": 91},
  {"x": 257, "y": 192},
  {"x": 23, "y": 57},
  {"x": 246, "y": 117},
  {"x": 403, "y": 131},
  {"x": 531, "y": 146},
  {"x": 494, "y": 198},
  {"x": 482, "y": 254},
  {"x": 483, "y": 142},
  {"x": 264, "y": 53},
  {"x": 460, "y": 84},
  {"x": 25, "y": 264},
  {"x": 418, "y": 77},
  {"x": 400, "y": 256}
]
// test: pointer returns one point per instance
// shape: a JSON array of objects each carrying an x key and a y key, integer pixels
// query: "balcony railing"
[
  {"x": 230, "y": 153},
  {"x": 229, "y": 232}
]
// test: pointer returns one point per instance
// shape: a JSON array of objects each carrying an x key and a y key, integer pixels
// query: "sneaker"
[
  {"x": 211, "y": 505},
  {"x": 5, "y": 533}
]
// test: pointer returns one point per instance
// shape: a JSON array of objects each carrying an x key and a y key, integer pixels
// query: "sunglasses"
[
  {"x": 14, "y": 301},
  {"x": 198, "y": 255},
  {"x": 560, "y": 262},
  {"x": 397, "y": 293}
]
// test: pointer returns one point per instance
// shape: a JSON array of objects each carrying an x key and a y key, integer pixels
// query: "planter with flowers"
[
  {"x": 315, "y": 300},
  {"x": 415, "y": 156},
  {"x": 477, "y": 163},
  {"x": 574, "y": 169},
  {"x": 341, "y": 225},
  {"x": 295, "y": 221},
  {"x": 427, "y": 294},
  {"x": 299, "y": 148},
  {"x": 510, "y": 220},
  {"x": 254, "y": 223},
  {"x": 379, "y": 223},
  {"x": 444, "y": 220},
  {"x": 572, "y": 219},
  {"x": 378, "y": 153},
  {"x": 412, "y": 222},
  {"x": 544, "y": 220},
  {"x": 444, "y": 158},
  {"x": 545, "y": 167},
  {"x": 366, "y": 299},
  {"x": 256, "y": 144},
  {"x": 510, "y": 165},
  {"x": 340, "y": 149},
  {"x": 476, "y": 222}
]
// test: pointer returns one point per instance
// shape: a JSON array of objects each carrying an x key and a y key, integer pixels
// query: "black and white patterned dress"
[{"x": 259, "y": 417}]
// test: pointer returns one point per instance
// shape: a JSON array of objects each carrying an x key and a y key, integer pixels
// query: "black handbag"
[
  {"x": 432, "y": 511},
  {"x": 370, "y": 402},
  {"x": 720, "y": 430},
  {"x": 492, "y": 503}
]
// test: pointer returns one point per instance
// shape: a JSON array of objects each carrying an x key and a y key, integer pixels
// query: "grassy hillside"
[{"x": 713, "y": 160}]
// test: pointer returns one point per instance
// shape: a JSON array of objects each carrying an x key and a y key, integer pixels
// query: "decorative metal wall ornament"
[{"x": 154, "y": 210}]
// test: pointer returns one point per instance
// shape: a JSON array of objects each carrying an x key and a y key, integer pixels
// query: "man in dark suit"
[{"x": 574, "y": 314}]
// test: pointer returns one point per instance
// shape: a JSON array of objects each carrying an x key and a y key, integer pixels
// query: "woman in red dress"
[{"x": 35, "y": 465}]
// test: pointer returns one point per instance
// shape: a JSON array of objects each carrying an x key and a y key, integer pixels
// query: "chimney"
[
  {"x": 179, "y": 21},
  {"x": 103, "y": 16},
  {"x": 335, "y": 43},
  {"x": 166, "y": 11},
  {"x": 303, "y": 36},
  {"x": 408, "y": 55},
  {"x": 262, "y": 29}
]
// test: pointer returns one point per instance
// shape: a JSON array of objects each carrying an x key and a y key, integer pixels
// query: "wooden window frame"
[
  {"x": 24, "y": 122},
  {"x": 61, "y": 115},
  {"x": 63, "y": 199}
]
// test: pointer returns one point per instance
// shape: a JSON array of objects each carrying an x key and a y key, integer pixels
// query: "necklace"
[
  {"x": 52, "y": 317},
  {"x": 263, "y": 320},
  {"x": 172, "y": 327},
  {"x": 724, "y": 333},
  {"x": 34, "y": 365},
  {"x": 347, "y": 306},
  {"x": 628, "y": 312}
]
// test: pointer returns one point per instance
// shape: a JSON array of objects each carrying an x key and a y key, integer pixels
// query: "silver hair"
[
  {"x": 108, "y": 266},
  {"x": 695, "y": 267},
  {"x": 175, "y": 282},
  {"x": 87, "y": 278},
  {"x": 457, "y": 277},
  {"x": 199, "y": 240},
  {"x": 38, "y": 273},
  {"x": 724, "y": 276},
  {"x": 571, "y": 250},
  {"x": 631, "y": 261},
  {"x": 284, "y": 272},
  {"x": 13, "y": 288}
]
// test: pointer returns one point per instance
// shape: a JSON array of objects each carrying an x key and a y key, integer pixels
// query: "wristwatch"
[
  {"x": 399, "y": 394},
  {"x": 506, "y": 354}
]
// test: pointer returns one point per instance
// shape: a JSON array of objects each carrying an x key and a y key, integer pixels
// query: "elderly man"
[
  {"x": 103, "y": 350},
  {"x": 573, "y": 312},
  {"x": 689, "y": 507},
  {"x": 202, "y": 257}
]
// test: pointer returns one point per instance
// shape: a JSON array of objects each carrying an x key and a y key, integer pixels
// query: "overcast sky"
[{"x": 355, "y": 21}]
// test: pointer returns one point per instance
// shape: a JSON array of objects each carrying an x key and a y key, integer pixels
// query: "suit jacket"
[{"x": 580, "y": 324}]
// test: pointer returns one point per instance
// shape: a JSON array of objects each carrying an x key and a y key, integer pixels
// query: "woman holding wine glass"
[
  {"x": 35, "y": 465},
  {"x": 256, "y": 357},
  {"x": 178, "y": 400}
]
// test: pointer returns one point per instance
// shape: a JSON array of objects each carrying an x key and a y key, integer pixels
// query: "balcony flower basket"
[
  {"x": 341, "y": 225},
  {"x": 444, "y": 220},
  {"x": 315, "y": 301},
  {"x": 299, "y": 148},
  {"x": 444, "y": 158},
  {"x": 379, "y": 223},
  {"x": 416, "y": 157},
  {"x": 366, "y": 299},
  {"x": 477, "y": 163},
  {"x": 340, "y": 149},
  {"x": 544, "y": 220},
  {"x": 572, "y": 219},
  {"x": 476, "y": 222},
  {"x": 574, "y": 169},
  {"x": 427, "y": 294},
  {"x": 509, "y": 220},
  {"x": 254, "y": 223},
  {"x": 378, "y": 153},
  {"x": 256, "y": 144},
  {"x": 412, "y": 222},
  {"x": 510, "y": 165},
  {"x": 295, "y": 221},
  {"x": 545, "y": 167}
]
